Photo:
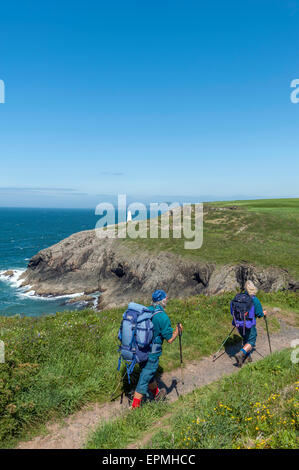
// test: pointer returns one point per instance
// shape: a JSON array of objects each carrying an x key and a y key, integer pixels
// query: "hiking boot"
[
  {"x": 247, "y": 359},
  {"x": 161, "y": 395},
  {"x": 136, "y": 403},
  {"x": 240, "y": 358}
]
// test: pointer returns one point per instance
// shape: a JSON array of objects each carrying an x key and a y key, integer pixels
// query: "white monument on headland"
[{"x": 129, "y": 216}]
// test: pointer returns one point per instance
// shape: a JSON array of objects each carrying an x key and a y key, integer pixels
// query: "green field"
[
  {"x": 262, "y": 232},
  {"x": 55, "y": 364},
  {"x": 256, "y": 408}
]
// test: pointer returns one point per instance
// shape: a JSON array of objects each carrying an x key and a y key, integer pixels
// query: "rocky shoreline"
[{"x": 85, "y": 263}]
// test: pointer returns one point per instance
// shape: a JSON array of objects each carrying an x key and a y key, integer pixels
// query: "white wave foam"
[
  {"x": 31, "y": 293},
  {"x": 27, "y": 291},
  {"x": 14, "y": 279},
  {"x": 96, "y": 296}
]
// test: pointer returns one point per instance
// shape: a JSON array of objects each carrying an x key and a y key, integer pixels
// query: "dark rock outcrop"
[{"x": 87, "y": 264}]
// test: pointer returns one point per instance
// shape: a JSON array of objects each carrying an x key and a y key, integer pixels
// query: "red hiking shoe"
[{"x": 136, "y": 403}]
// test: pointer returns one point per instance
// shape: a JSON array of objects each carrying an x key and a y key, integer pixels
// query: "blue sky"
[{"x": 170, "y": 98}]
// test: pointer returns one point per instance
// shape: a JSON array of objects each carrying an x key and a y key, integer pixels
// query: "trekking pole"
[
  {"x": 222, "y": 344},
  {"x": 266, "y": 321},
  {"x": 181, "y": 352},
  {"x": 258, "y": 352}
]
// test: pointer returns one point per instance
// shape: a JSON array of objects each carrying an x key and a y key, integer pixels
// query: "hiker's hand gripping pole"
[
  {"x": 222, "y": 344},
  {"x": 181, "y": 352}
]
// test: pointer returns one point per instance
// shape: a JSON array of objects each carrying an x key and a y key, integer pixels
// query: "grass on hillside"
[
  {"x": 55, "y": 364},
  {"x": 256, "y": 408},
  {"x": 261, "y": 232}
]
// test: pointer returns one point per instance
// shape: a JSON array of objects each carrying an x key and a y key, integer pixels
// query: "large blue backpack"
[
  {"x": 136, "y": 336},
  {"x": 242, "y": 310}
]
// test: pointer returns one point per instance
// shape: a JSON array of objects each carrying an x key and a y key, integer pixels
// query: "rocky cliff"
[{"x": 85, "y": 263}]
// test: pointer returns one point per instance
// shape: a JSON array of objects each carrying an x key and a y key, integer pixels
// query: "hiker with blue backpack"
[
  {"x": 245, "y": 308},
  {"x": 142, "y": 332}
]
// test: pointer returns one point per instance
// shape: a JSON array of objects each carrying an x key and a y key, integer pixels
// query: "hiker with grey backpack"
[{"x": 245, "y": 308}]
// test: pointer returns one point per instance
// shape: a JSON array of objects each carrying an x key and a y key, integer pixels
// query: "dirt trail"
[{"x": 73, "y": 432}]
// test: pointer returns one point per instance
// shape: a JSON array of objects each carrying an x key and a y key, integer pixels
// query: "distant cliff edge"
[{"x": 85, "y": 263}]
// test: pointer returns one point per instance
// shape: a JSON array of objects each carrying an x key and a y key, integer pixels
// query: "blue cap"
[{"x": 159, "y": 295}]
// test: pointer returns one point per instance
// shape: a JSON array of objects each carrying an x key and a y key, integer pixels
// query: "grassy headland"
[{"x": 262, "y": 232}]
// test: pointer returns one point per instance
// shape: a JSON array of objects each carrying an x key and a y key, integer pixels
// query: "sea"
[{"x": 24, "y": 232}]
